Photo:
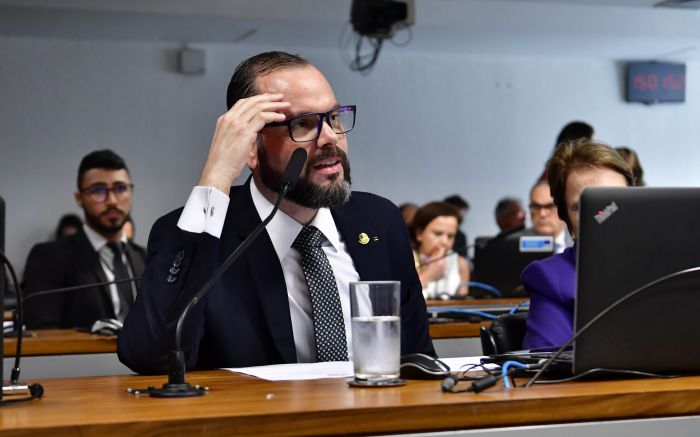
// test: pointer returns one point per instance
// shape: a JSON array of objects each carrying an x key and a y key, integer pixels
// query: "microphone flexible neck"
[{"x": 225, "y": 265}]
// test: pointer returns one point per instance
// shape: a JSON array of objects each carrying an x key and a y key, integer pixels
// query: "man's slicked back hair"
[
  {"x": 106, "y": 159},
  {"x": 244, "y": 78}
]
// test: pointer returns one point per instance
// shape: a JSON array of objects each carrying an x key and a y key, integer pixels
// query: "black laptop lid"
[{"x": 629, "y": 237}]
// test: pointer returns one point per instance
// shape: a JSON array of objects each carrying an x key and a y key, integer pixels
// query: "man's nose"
[
  {"x": 327, "y": 136},
  {"x": 111, "y": 197}
]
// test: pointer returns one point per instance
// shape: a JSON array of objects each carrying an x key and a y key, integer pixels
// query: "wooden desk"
[
  {"x": 475, "y": 302},
  {"x": 61, "y": 342},
  {"x": 244, "y": 405},
  {"x": 69, "y": 341},
  {"x": 75, "y": 353},
  {"x": 441, "y": 331}
]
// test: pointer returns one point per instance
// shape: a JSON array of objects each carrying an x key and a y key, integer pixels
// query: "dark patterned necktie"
[
  {"x": 120, "y": 272},
  {"x": 329, "y": 328}
]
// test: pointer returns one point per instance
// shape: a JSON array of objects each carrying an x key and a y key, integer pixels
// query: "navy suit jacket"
[
  {"x": 67, "y": 262},
  {"x": 244, "y": 319}
]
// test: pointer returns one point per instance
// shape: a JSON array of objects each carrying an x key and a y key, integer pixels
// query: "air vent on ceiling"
[{"x": 685, "y": 4}]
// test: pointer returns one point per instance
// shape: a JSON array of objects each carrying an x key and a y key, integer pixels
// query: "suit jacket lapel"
[
  {"x": 86, "y": 256},
  {"x": 135, "y": 259},
  {"x": 265, "y": 269},
  {"x": 363, "y": 241}
]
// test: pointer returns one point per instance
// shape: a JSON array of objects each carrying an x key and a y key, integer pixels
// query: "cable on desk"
[{"x": 601, "y": 370}]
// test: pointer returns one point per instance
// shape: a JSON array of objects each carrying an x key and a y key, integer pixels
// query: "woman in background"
[
  {"x": 443, "y": 273},
  {"x": 69, "y": 224},
  {"x": 551, "y": 282}
]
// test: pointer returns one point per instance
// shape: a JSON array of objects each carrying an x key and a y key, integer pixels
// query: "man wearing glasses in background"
[
  {"x": 545, "y": 221},
  {"x": 99, "y": 252},
  {"x": 286, "y": 299}
]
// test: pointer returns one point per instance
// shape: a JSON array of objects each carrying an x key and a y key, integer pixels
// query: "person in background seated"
[
  {"x": 69, "y": 224},
  {"x": 550, "y": 283},
  {"x": 408, "y": 210},
  {"x": 98, "y": 252},
  {"x": 545, "y": 221},
  {"x": 632, "y": 160},
  {"x": 442, "y": 273},
  {"x": 510, "y": 215},
  {"x": 462, "y": 206},
  {"x": 572, "y": 131}
]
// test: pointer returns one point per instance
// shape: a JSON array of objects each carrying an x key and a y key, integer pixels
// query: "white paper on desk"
[
  {"x": 299, "y": 371},
  {"x": 333, "y": 369}
]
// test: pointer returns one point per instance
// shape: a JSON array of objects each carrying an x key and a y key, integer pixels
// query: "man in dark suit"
[
  {"x": 98, "y": 252},
  {"x": 269, "y": 308}
]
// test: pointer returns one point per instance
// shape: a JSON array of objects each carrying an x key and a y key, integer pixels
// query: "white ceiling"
[{"x": 619, "y": 29}]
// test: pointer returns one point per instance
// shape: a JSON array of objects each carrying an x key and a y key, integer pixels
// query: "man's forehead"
[
  {"x": 300, "y": 86},
  {"x": 97, "y": 175},
  {"x": 541, "y": 191}
]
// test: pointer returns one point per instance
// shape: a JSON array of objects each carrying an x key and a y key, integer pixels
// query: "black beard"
[
  {"x": 111, "y": 229},
  {"x": 305, "y": 193}
]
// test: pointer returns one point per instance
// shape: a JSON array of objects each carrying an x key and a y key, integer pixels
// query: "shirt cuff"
[{"x": 205, "y": 211}]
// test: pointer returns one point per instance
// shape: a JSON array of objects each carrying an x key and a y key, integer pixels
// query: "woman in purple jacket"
[{"x": 550, "y": 283}]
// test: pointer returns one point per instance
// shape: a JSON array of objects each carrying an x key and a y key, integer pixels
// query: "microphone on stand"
[
  {"x": 18, "y": 317},
  {"x": 177, "y": 387},
  {"x": 18, "y": 320},
  {"x": 35, "y": 390}
]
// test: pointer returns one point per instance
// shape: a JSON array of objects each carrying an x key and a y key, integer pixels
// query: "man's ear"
[
  {"x": 252, "y": 160},
  {"x": 79, "y": 199}
]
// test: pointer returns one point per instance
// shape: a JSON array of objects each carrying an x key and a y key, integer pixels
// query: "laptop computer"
[{"x": 630, "y": 238}]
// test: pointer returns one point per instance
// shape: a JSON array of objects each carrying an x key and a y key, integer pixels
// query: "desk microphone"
[
  {"x": 18, "y": 318},
  {"x": 36, "y": 391},
  {"x": 450, "y": 252},
  {"x": 176, "y": 387}
]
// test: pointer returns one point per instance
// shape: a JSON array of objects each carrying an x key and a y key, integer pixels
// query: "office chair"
[{"x": 505, "y": 334}]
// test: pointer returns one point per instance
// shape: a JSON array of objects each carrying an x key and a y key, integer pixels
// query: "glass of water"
[{"x": 376, "y": 332}]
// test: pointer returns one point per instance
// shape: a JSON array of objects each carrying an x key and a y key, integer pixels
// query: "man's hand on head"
[{"x": 234, "y": 138}]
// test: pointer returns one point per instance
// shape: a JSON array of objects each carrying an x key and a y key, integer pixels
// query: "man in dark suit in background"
[
  {"x": 98, "y": 252},
  {"x": 286, "y": 299}
]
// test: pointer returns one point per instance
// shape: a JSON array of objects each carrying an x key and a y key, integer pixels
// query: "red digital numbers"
[
  {"x": 650, "y": 82},
  {"x": 673, "y": 82},
  {"x": 646, "y": 82}
]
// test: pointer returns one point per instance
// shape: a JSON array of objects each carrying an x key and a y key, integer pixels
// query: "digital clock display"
[{"x": 652, "y": 82}]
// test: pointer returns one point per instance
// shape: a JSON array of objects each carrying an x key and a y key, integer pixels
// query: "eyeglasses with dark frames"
[
  {"x": 307, "y": 127},
  {"x": 535, "y": 208},
  {"x": 99, "y": 192}
]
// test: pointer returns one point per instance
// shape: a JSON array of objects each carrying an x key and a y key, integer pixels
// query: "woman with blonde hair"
[{"x": 551, "y": 282}]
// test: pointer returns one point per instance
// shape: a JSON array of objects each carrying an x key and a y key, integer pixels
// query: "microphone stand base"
[{"x": 169, "y": 390}]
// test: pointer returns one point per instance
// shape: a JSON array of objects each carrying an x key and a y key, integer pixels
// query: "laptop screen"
[{"x": 630, "y": 237}]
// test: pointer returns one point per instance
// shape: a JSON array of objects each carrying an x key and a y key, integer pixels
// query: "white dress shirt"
[
  {"x": 562, "y": 241},
  {"x": 106, "y": 256},
  {"x": 205, "y": 211}
]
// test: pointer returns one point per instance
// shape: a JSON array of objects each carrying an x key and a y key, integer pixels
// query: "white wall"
[{"x": 429, "y": 124}]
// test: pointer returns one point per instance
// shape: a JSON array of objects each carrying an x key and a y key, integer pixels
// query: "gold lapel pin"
[{"x": 364, "y": 238}]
